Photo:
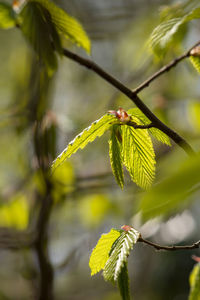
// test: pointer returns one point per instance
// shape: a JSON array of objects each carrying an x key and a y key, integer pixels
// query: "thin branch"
[
  {"x": 170, "y": 248},
  {"x": 134, "y": 98},
  {"x": 164, "y": 69}
]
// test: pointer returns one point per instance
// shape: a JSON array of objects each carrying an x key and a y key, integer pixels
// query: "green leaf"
[
  {"x": 100, "y": 253},
  {"x": 123, "y": 283},
  {"x": 119, "y": 255},
  {"x": 138, "y": 154},
  {"x": 169, "y": 195},
  {"x": 163, "y": 34},
  {"x": 115, "y": 152},
  {"x": 158, "y": 134},
  {"x": 37, "y": 27},
  {"x": 68, "y": 26},
  {"x": 195, "y": 60},
  {"x": 7, "y": 18},
  {"x": 195, "y": 283},
  {"x": 96, "y": 129}
]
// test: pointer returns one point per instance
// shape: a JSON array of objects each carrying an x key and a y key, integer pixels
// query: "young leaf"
[
  {"x": 36, "y": 28},
  {"x": 119, "y": 254},
  {"x": 7, "y": 19},
  {"x": 115, "y": 152},
  {"x": 96, "y": 129},
  {"x": 195, "y": 60},
  {"x": 162, "y": 35},
  {"x": 195, "y": 283},
  {"x": 100, "y": 253},
  {"x": 138, "y": 155},
  {"x": 159, "y": 135},
  {"x": 68, "y": 26},
  {"x": 123, "y": 283}
]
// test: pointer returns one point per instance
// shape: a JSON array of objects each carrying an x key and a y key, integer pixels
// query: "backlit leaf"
[
  {"x": 119, "y": 254},
  {"x": 37, "y": 27},
  {"x": 68, "y": 26},
  {"x": 7, "y": 19},
  {"x": 96, "y": 129},
  {"x": 195, "y": 283},
  {"x": 100, "y": 253},
  {"x": 195, "y": 62},
  {"x": 138, "y": 154},
  {"x": 158, "y": 134},
  {"x": 115, "y": 152}
]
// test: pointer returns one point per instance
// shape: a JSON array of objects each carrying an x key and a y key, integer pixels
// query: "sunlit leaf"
[
  {"x": 123, "y": 283},
  {"x": 195, "y": 283},
  {"x": 138, "y": 155},
  {"x": 100, "y": 253},
  {"x": 67, "y": 25},
  {"x": 37, "y": 27},
  {"x": 119, "y": 254},
  {"x": 7, "y": 19},
  {"x": 163, "y": 34},
  {"x": 115, "y": 152},
  {"x": 195, "y": 62},
  {"x": 169, "y": 195},
  {"x": 158, "y": 134},
  {"x": 96, "y": 129}
]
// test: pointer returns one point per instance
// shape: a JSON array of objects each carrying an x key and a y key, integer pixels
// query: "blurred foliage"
[{"x": 87, "y": 201}]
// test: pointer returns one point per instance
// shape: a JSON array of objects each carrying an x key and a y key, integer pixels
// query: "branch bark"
[
  {"x": 133, "y": 97},
  {"x": 196, "y": 245},
  {"x": 164, "y": 69}
]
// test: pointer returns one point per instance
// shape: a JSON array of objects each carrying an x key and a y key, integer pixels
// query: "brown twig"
[
  {"x": 164, "y": 69},
  {"x": 134, "y": 98},
  {"x": 170, "y": 248}
]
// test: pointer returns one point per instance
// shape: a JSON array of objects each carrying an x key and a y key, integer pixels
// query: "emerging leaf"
[
  {"x": 163, "y": 34},
  {"x": 195, "y": 283},
  {"x": 100, "y": 253},
  {"x": 138, "y": 155},
  {"x": 195, "y": 62},
  {"x": 40, "y": 32},
  {"x": 158, "y": 134},
  {"x": 96, "y": 129},
  {"x": 7, "y": 18},
  {"x": 119, "y": 254},
  {"x": 123, "y": 283},
  {"x": 68, "y": 26},
  {"x": 115, "y": 152}
]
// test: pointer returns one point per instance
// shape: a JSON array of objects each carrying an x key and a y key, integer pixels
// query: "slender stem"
[
  {"x": 134, "y": 98},
  {"x": 136, "y": 126},
  {"x": 170, "y": 248},
  {"x": 164, "y": 69}
]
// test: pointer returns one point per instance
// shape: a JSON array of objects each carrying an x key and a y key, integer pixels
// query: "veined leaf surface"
[
  {"x": 195, "y": 62},
  {"x": 158, "y": 134},
  {"x": 138, "y": 154},
  {"x": 100, "y": 253},
  {"x": 115, "y": 152},
  {"x": 67, "y": 25},
  {"x": 96, "y": 129},
  {"x": 120, "y": 253}
]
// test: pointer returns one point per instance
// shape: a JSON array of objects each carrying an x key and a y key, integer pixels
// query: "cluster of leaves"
[
  {"x": 111, "y": 254},
  {"x": 128, "y": 145},
  {"x": 44, "y": 25},
  {"x": 173, "y": 27}
]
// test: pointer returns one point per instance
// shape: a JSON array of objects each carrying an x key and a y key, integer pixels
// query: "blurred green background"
[{"x": 87, "y": 201}]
